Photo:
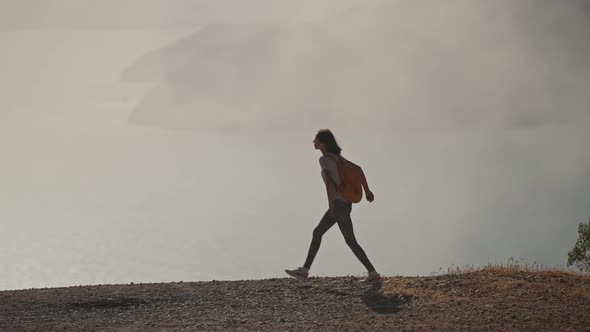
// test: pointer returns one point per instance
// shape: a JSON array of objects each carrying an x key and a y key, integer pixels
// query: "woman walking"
[{"x": 339, "y": 208}]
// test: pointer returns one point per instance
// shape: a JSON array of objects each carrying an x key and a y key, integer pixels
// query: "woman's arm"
[
  {"x": 368, "y": 193},
  {"x": 330, "y": 188}
]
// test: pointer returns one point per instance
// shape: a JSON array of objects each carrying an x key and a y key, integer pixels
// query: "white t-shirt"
[{"x": 328, "y": 164}]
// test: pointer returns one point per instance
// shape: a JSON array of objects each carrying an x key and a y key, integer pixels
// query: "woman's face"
[{"x": 317, "y": 144}]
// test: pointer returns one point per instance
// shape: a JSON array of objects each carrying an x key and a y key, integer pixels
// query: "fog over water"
[{"x": 153, "y": 141}]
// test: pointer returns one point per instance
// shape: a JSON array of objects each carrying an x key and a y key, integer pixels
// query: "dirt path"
[{"x": 486, "y": 300}]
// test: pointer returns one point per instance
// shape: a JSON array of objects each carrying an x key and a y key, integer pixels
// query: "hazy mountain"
[{"x": 403, "y": 64}]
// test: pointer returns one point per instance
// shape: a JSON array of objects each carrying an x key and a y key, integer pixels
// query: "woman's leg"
[
  {"x": 345, "y": 224},
  {"x": 326, "y": 222}
]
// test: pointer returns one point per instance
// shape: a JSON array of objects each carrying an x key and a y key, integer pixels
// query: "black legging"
[{"x": 342, "y": 211}]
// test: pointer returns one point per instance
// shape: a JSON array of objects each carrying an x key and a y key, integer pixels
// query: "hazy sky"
[
  {"x": 172, "y": 140},
  {"x": 141, "y": 14}
]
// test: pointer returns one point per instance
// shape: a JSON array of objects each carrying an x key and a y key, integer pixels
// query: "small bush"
[{"x": 580, "y": 253}]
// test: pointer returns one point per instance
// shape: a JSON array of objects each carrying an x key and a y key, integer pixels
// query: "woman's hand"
[{"x": 370, "y": 196}]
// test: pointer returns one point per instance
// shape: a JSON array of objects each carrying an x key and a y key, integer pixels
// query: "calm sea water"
[{"x": 86, "y": 197}]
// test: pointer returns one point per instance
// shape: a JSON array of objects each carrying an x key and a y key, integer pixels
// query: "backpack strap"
[
  {"x": 336, "y": 157},
  {"x": 340, "y": 161}
]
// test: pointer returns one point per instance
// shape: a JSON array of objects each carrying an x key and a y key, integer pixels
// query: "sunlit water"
[{"x": 88, "y": 198}]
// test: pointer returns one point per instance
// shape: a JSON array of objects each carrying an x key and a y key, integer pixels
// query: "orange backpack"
[{"x": 351, "y": 179}]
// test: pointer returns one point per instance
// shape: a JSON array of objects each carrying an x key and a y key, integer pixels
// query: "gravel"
[{"x": 486, "y": 300}]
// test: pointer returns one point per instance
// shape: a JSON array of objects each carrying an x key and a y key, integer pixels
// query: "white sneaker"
[
  {"x": 373, "y": 278},
  {"x": 299, "y": 273}
]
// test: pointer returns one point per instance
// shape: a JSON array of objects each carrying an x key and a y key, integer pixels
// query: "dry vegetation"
[{"x": 506, "y": 297}]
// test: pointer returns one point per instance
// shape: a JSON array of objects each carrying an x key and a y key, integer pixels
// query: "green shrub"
[{"x": 580, "y": 253}]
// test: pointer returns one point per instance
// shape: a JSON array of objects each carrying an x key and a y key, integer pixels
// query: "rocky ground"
[{"x": 483, "y": 300}]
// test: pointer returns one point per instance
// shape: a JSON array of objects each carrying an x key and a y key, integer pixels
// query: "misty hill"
[
  {"x": 402, "y": 65},
  {"x": 488, "y": 299},
  {"x": 394, "y": 65}
]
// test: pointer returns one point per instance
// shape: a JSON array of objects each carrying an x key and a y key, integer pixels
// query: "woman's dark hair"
[{"x": 325, "y": 136}]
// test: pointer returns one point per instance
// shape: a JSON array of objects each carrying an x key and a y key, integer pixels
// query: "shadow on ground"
[
  {"x": 373, "y": 297},
  {"x": 384, "y": 304}
]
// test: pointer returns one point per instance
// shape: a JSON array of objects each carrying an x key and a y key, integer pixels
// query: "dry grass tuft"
[{"x": 512, "y": 266}]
